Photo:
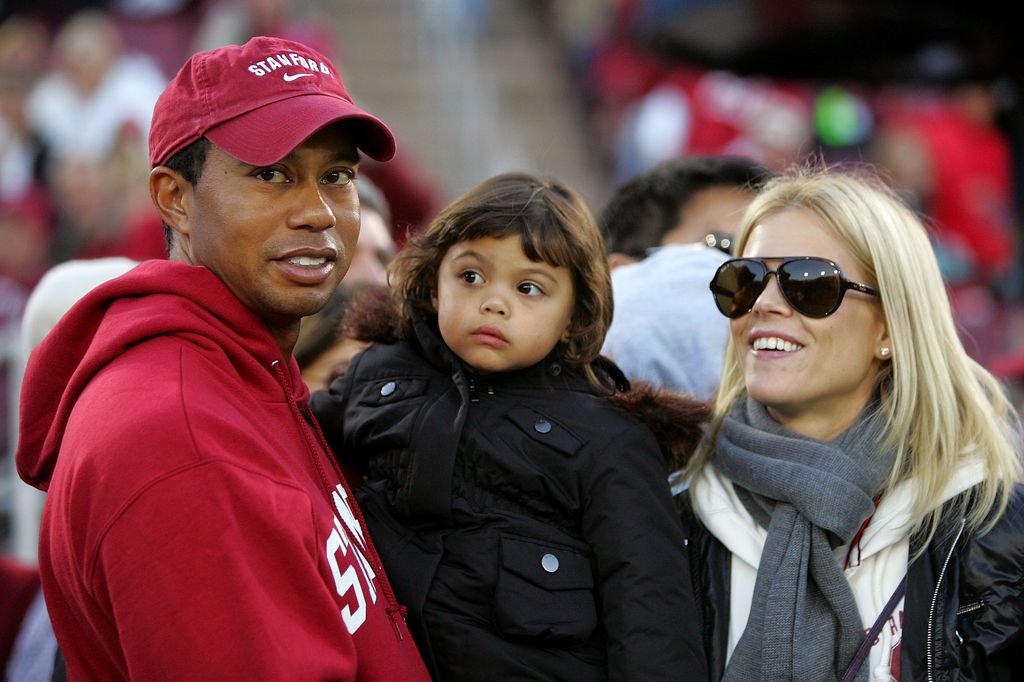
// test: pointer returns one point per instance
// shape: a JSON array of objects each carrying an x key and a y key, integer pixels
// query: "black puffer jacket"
[
  {"x": 523, "y": 518},
  {"x": 964, "y": 607}
]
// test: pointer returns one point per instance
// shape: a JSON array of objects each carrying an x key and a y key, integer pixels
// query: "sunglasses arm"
[{"x": 862, "y": 288}]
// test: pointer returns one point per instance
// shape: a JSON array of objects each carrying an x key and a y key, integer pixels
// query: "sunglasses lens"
[
  {"x": 812, "y": 286},
  {"x": 736, "y": 286}
]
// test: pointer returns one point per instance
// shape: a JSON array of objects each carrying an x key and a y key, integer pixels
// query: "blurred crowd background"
[{"x": 592, "y": 91}]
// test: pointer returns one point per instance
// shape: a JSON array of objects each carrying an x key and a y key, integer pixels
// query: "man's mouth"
[
  {"x": 307, "y": 261},
  {"x": 307, "y": 268}
]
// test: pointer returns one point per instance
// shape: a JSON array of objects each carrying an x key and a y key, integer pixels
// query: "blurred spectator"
[
  {"x": 73, "y": 156},
  {"x": 695, "y": 111},
  {"x": 27, "y": 644},
  {"x": 93, "y": 112},
  {"x": 961, "y": 176},
  {"x": 412, "y": 198},
  {"x": 96, "y": 215},
  {"x": 81, "y": 196},
  {"x": 614, "y": 73},
  {"x": 670, "y": 228},
  {"x": 23, "y": 46},
  {"x": 96, "y": 94},
  {"x": 52, "y": 13},
  {"x": 679, "y": 201},
  {"x": 947, "y": 155},
  {"x": 325, "y": 346},
  {"x": 59, "y": 289},
  {"x": 647, "y": 108},
  {"x": 664, "y": 330},
  {"x": 232, "y": 22},
  {"x": 12, "y": 302},
  {"x": 141, "y": 238},
  {"x": 163, "y": 29},
  {"x": 25, "y": 235},
  {"x": 375, "y": 248}
]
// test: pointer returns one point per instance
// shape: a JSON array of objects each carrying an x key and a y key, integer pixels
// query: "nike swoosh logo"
[{"x": 291, "y": 77}]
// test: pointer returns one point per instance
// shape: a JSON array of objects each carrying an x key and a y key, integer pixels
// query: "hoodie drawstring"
[{"x": 315, "y": 445}]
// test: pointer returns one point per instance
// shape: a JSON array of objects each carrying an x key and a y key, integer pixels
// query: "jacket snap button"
[
  {"x": 549, "y": 562},
  {"x": 542, "y": 426},
  {"x": 387, "y": 389}
]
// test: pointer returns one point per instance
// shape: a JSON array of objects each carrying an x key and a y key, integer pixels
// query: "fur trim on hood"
[
  {"x": 371, "y": 317},
  {"x": 676, "y": 419}
]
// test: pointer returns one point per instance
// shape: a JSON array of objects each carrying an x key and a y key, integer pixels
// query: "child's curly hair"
[{"x": 556, "y": 227}]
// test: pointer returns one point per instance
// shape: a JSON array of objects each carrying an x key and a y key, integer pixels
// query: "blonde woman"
[{"x": 858, "y": 513}]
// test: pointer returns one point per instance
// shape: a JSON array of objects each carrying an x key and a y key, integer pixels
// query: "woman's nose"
[{"x": 771, "y": 299}]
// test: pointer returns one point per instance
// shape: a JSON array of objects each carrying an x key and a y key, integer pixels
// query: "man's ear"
[{"x": 171, "y": 195}]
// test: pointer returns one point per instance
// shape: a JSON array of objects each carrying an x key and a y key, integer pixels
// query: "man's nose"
[{"x": 311, "y": 211}]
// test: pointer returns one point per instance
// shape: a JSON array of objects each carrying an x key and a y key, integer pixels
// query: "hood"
[
  {"x": 676, "y": 419},
  {"x": 156, "y": 298}
]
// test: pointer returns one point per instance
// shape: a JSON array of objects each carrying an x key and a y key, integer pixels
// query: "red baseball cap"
[{"x": 258, "y": 102}]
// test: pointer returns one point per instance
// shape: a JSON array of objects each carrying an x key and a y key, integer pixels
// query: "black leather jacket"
[
  {"x": 964, "y": 608},
  {"x": 524, "y": 520}
]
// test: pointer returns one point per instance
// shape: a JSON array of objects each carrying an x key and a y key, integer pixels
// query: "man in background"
[{"x": 667, "y": 231}]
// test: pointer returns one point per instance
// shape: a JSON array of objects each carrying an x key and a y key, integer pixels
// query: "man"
[
  {"x": 197, "y": 526},
  {"x": 375, "y": 249},
  {"x": 663, "y": 227},
  {"x": 679, "y": 201}
]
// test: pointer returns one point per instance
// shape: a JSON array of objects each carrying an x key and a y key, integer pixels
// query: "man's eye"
[
  {"x": 530, "y": 289},
  {"x": 339, "y": 177},
  {"x": 270, "y": 175}
]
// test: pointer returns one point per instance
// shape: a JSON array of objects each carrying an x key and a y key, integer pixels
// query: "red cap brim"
[{"x": 266, "y": 135}]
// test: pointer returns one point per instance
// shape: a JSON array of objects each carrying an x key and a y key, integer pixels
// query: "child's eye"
[
  {"x": 470, "y": 276},
  {"x": 530, "y": 289}
]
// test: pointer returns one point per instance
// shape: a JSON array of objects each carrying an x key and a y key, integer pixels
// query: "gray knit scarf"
[{"x": 812, "y": 496}]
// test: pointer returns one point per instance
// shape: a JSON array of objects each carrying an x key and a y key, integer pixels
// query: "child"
[{"x": 522, "y": 515}]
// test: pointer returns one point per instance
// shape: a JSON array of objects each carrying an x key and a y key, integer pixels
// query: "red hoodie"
[{"x": 195, "y": 526}]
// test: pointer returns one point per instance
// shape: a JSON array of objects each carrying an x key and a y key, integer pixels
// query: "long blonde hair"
[{"x": 942, "y": 407}]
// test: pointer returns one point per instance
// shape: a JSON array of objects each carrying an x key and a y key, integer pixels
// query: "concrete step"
[{"x": 506, "y": 105}]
